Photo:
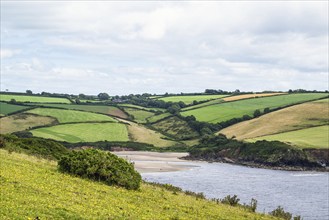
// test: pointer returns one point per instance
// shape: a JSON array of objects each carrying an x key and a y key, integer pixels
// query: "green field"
[
  {"x": 26, "y": 98},
  {"x": 104, "y": 109},
  {"x": 23, "y": 121},
  {"x": 140, "y": 115},
  {"x": 316, "y": 137},
  {"x": 6, "y": 108},
  {"x": 84, "y": 132},
  {"x": 296, "y": 117},
  {"x": 175, "y": 127},
  {"x": 236, "y": 109},
  {"x": 141, "y": 107},
  {"x": 188, "y": 99},
  {"x": 211, "y": 102},
  {"x": 48, "y": 194},
  {"x": 156, "y": 118},
  {"x": 68, "y": 116}
]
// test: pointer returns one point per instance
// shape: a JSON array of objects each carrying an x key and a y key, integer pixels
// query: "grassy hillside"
[
  {"x": 104, "y": 109},
  {"x": 212, "y": 102},
  {"x": 248, "y": 96},
  {"x": 139, "y": 115},
  {"x": 6, "y": 108},
  {"x": 23, "y": 121},
  {"x": 66, "y": 116},
  {"x": 48, "y": 194},
  {"x": 236, "y": 109},
  {"x": 175, "y": 127},
  {"x": 26, "y": 98},
  {"x": 141, "y": 134},
  {"x": 84, "y": 132},
  {"x": 316, "y": 137},
  {"x": 188, "y": 99},
  {"x": 288, "y": 119}
]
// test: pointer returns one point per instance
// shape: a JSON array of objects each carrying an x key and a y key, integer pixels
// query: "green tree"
[
  {"x": 103, "y": 96},
  {"x": 29, "y": 92},
  {"x": 257, "y": 113}
]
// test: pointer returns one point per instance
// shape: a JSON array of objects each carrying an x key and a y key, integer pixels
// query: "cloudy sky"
[{"x": 156, "y": 47}]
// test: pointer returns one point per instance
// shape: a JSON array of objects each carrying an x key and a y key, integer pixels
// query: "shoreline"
[{"x": 149, "y": 162}]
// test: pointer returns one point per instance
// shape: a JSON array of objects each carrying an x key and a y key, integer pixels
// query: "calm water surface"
[{"x": 301, "y": 193}]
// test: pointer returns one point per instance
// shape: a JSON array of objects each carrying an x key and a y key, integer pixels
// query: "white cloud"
[
  {"x": 130, "y": 47},
  {"x": 8, "y": 53}
]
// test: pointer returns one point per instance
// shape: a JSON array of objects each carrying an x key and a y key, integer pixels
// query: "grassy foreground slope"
[
  {"x": 26, "y": 98},
  {"x": 236, "y": 109},
  {"x": 84, "y": 132},
  {"x": 22, "y": 121},
  {"x": 67, "y": 116},
  {"x": 188, "y": 99},
  {"x": 6, "y": 108},
  {"x": 292, "y": 118},
  {"x": 316, "y": 137},
  {"x": 32, "y": 187},
  {"x": 103, "y": 109}
]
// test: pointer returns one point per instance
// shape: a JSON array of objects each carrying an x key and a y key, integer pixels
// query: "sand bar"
[{"x": 149, "y": 162}]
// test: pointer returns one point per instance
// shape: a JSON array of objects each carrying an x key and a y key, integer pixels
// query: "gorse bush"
[{"x": 101, "y": 166}]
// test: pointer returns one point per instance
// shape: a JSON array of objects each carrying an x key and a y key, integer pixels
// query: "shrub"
[
  {"x": 231, "y": 200},
  {"x": 279, "y": 212},
  {"x": 101, "y": 166}
]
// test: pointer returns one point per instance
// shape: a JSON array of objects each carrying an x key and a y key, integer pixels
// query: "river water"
[{"x": 300, "y": 193}]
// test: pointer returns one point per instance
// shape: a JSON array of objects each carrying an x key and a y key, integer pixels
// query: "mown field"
[
  {"x": 84, "y": 132},
  {"x": 68, "y": 116},
  {"x": 26, "y": 98},
  {"x": 236, "y": 109},
  {"x": 175, "y": 127},
  {"x": 23, "y": 121},
  {"x": 315, "y": 137},
  {"x": 288, "y": 119},
  {"x": 6, "y": 108},
  {"x": 212, "y": 102},
  {"x": 47, "y": 194},
  {"x": 139, "y": 115},
  {"x": 248, "y": 96},
  {"x": 104, "y": 109},
  {"x": 188, "y": 99}
]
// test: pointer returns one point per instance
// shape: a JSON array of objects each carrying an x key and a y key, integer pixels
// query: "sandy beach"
[{"x": 147, "y": 162}]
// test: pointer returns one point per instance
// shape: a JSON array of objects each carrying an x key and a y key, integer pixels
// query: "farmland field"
[
  {"x": 26, "y": 98},
  {"x": 48, "y": 194},
  {"x": 212, "y": 102},
  {"x": 176, "y": 127},
  {"x": 6, "y": 108},
  {"x": 156, "y": 118},
  {"x": 188, "y": 99},
  {"x": 84, "y": 132},
  {"x": 140, "y": 115},
  {"x": 141, "y": 134},
  {"x": 229, "y": 110},
  {"x": 248, "y": 96},
  {"x": 141, "y": 107},
  {"x": 67, "y": 116},
  {"x": 315, "y": 137},
  {"x": 296, "y": 117},
  {"x": 104, "y": 109},
  {"x": 22, "y": 121}
]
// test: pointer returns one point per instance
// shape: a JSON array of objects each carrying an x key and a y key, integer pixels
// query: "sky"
[{"x": 135, "y": 47}]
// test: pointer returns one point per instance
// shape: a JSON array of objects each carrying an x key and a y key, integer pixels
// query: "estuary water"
[{"x": 300, "y": 193}]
